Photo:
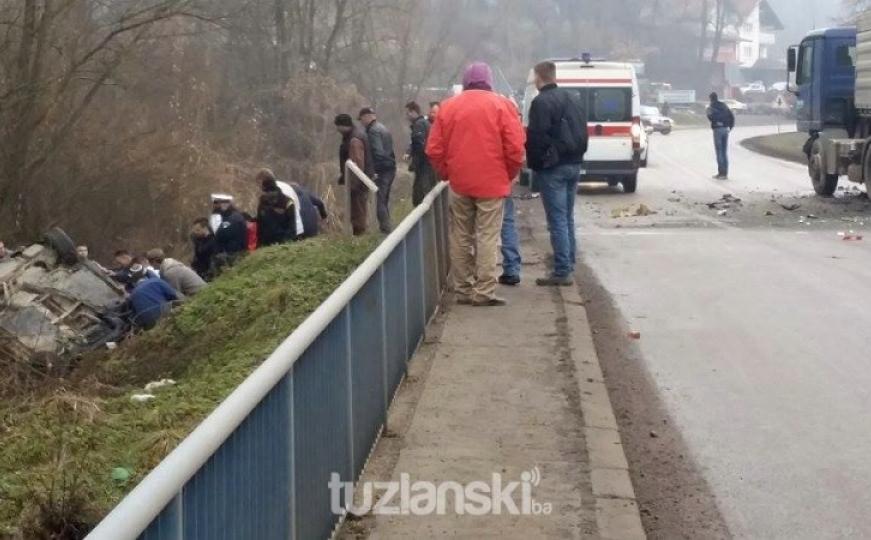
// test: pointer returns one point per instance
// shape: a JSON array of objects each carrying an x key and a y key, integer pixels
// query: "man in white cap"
[{"x": 215, "y": 219}]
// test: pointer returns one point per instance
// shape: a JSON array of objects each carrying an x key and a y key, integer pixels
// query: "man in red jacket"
[{"x": 478, "y": 145}]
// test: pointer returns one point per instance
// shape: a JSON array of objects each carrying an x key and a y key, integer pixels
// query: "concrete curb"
[{"x": 617, "y": 513}]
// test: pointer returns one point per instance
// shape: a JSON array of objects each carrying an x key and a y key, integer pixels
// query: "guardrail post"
[
  {"x": 349, "y": 356},
  {"x": 423, "y": 298},
  {"x": 384, "y": 360},
  {"x": 291, "y": 447}
]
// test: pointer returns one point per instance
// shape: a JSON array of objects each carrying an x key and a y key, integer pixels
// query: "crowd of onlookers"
[
  {"x": 475, "y": 141},
  {"x": 285, "y": 212},
  {"x": 369, "y": 145}
]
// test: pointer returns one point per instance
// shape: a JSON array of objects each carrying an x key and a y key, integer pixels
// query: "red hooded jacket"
[{"x": 477, "y": 144}]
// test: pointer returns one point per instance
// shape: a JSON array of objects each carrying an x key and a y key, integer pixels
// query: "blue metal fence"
[{"x": 259, "y": 466}]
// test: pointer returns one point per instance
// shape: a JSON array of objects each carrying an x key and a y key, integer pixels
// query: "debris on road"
[
  {"x": 769, "y": 213},
  {"x": 725, "y": 202},
  {"x": 654, "y": 435},
  {"x": 630, "y": 211},
  {"x": 790, "y": 207},
  {"x": 635, "y": 335},
  {"x": 142, "y": 398},
  {"x": 851, "y": 236},
  {"x": 722, "y": 213}
]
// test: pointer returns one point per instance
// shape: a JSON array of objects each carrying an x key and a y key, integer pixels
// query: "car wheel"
[
  {"x": 824, "y": 184},
  {"x": 630, "y": 183},
  {"x": 63, "y": 245},
  {"x": 666, "y": 131}
]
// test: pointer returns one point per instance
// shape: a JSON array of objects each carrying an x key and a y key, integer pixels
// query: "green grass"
[
  {"x": 58, "y": 449},
  {"x": 786, "y": 146}
]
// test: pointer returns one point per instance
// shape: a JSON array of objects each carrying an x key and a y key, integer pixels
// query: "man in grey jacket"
[
  {"x": 384, "y": 157},
  {"x": 179, "y": 276}
]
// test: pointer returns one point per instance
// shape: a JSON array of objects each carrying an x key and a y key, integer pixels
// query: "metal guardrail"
[{"x": 258, "y": 467}]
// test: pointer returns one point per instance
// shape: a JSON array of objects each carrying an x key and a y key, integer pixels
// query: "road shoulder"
[{"x": 509, "y": 391}]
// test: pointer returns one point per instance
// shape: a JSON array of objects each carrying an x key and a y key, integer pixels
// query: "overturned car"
[{"x": 54, "y": 306}]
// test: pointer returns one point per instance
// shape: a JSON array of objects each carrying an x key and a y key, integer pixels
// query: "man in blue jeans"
[
  {"x": 722, "y": 122},
  {"x": 555, "y": 147},
  {"x": 511, "y": 260}
]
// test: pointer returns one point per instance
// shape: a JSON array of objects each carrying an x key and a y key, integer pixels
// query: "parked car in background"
[
  {"x": 738, "y": 107},
  {"x": 779, "y": 87},
  {"x": 650, "y": 116},
  {"x": 757, "y": 87}
]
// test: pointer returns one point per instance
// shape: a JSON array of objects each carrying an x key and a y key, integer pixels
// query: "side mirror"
[{"x": 792, "y": 69}]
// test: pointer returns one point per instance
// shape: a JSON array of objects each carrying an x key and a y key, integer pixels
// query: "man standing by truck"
[{"x": 722, "y": 122}]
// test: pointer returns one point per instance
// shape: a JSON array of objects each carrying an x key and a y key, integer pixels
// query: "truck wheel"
[
  {"x": 630, "y": 183},
  {"x": 824, "y": 184}
]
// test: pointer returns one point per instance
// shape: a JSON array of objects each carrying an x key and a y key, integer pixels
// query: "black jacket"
[
  {"x": 544, "y": 133},
  {"x": 419, "y": 135},
  {"x": 275, "y": 223},
  {"x": 720, "y": 115},
  {"x": 232, "y": 235},
  {"x": 381, "y": 143},
  {"x": 205, "y": 249},
  {"x": 312, "y": 210}
]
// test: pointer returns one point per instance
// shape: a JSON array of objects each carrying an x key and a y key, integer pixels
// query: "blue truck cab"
[
  {"x": 830, "y": 74},
  {"x": 825, "y": 79}
]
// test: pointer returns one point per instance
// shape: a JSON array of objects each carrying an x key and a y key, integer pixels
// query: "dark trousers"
[
  {"x": 384, "y": 181},
  {"x": 359, "y": 209},
  {"x": 424, "y": 181},
  {"x": 721, "y": 144}
]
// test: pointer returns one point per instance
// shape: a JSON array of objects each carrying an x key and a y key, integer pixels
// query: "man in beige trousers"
[{"x": 478, "y": 145}]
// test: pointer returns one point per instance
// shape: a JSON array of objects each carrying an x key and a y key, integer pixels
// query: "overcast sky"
[{"x": 801, "y": 16}]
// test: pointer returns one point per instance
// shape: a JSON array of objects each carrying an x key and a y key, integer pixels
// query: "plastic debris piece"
[
  {"x": 635, "y": 335},
  {"x": 142, "y": 398},
  {"x": 157, "y": 385},
  {"x": 121, "y": 475}
]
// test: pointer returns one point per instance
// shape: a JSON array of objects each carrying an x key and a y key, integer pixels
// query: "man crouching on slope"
[{"x": 478, "y": 145}]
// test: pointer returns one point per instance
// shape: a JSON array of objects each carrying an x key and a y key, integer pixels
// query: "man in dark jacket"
[
  {"x": 232, "y": 234},
  {"x": 355, "y": 147},
  {"x": 424, "y": 173},
  {"x": 555, "y": 147},
  {"x": 722, "y": 122},
  {"x": 384, "y": 156},
  {"x": 275, "y": 223},
  {"x": 205, "y": 249}
]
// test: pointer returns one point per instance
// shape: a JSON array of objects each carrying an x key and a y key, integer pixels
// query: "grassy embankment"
[
  {"x": 64, "y": 454},
  {"x": 786, "y": 146}
]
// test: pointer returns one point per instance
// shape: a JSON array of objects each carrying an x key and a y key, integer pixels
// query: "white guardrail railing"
[{"x": 258, "y": 466}]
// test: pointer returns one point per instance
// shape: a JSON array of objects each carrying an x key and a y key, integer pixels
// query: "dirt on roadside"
[{"x": 673, "y": 496}]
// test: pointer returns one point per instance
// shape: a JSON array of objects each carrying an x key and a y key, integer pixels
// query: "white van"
[{"x": 608, "y": 91}]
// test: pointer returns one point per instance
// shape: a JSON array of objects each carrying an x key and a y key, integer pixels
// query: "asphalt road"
[{"x": 755, "y": 325}]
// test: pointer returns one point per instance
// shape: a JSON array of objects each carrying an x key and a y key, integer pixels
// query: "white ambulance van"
[{"x": 609, "y": 93}]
